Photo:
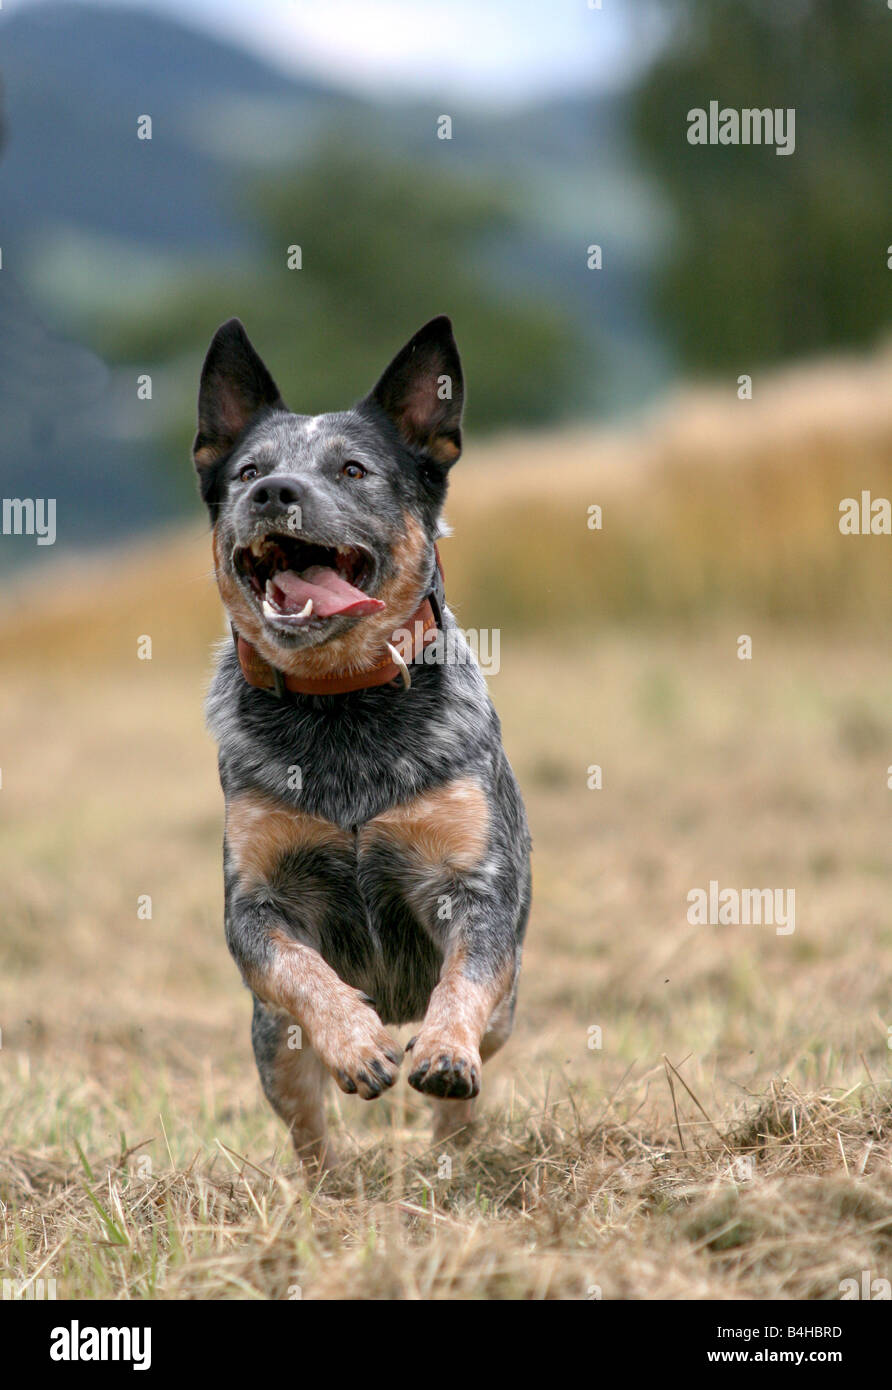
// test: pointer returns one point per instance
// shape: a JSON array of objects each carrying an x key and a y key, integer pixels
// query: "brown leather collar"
[{"x": 423, "y": 625}]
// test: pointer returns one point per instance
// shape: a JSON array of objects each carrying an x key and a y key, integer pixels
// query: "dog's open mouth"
[{"x": 297, "y": 581}]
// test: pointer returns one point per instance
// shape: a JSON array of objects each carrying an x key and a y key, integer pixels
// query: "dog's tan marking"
[
  {"x": 448, "y": 826},
  {"x": 460, "y": 1008},
  {"x": 443, "y": 449},
  {"x": 341, "y": 1027},
  {"x": 365, "y": 644},
  {"x": 237, "y": 606},
  {"x": 205, "y": 456},
  {"x": 260, "y": 831},
  {"x": 297, "y": 979},
  {"x": 452, "y": 1120},
  {"x": 420, "y": 422},
  {"x": 295, "y": 1090},
  {"x": 449, "y": 1040}
]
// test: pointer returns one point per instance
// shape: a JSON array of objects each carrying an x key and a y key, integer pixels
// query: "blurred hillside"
[
  {"x": 136, "y": 250},
  {"x": 121, "y": 256}
]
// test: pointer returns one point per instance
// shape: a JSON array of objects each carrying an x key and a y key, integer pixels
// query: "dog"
[{"x": 376, "y": 849}]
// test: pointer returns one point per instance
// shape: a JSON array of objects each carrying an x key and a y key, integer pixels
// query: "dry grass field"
[{"x": 730, "y": 1137}]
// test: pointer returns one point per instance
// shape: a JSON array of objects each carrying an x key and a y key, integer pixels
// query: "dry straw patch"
[{"x": 543, "y": 1205}]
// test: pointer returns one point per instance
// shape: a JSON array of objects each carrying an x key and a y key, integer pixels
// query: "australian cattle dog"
[{"x": 376, "y": 853}]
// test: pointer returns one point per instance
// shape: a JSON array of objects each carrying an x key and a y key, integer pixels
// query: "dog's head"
[{"x": 324, "y": 526}]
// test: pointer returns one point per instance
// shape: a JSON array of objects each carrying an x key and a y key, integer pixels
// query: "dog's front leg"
[
  {"x": 467, "y": 1019},
  {"x": 337, "y": 1020}
]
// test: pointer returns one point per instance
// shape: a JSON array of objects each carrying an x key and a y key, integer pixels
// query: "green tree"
[
  {"x": 384, "y": 247},
  {"x": 774, "y": 256}
]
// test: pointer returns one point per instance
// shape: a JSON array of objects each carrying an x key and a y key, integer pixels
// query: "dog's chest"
[
  {"x": 441, "y": 831},
  {"x": 376, "y": 900}
]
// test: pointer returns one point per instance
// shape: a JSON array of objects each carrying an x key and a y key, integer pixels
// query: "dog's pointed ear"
[
  {"x": 235, "y": 385},
  {"x": 422, "y": 391}
]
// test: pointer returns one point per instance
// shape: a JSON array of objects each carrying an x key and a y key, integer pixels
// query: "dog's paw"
[
  {"x": 357, "y": 1049},
  {"x": 443, "y": 1067}
]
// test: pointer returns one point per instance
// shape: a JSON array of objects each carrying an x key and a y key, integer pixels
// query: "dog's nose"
[{"x": 272, "y": 494}]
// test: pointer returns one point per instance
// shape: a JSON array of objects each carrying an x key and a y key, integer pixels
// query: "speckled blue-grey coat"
[{"x": 376, "y": 852}]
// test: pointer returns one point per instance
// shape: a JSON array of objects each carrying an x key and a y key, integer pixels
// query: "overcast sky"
[{"x": 500, "y": 50}]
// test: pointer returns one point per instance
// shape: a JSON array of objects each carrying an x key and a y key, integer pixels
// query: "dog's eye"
[
  {"x": 248, "y": 472},
  {"x": 353, "y": 470}
]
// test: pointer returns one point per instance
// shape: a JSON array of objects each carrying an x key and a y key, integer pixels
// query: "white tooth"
[
  {"x": 269, "y": 590},
  {"x": 269, "y": 611},
  {"x": 307, "y": 609}
]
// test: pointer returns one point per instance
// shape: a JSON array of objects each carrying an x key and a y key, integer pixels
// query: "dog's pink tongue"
[{"x": 330, "y": 593}]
